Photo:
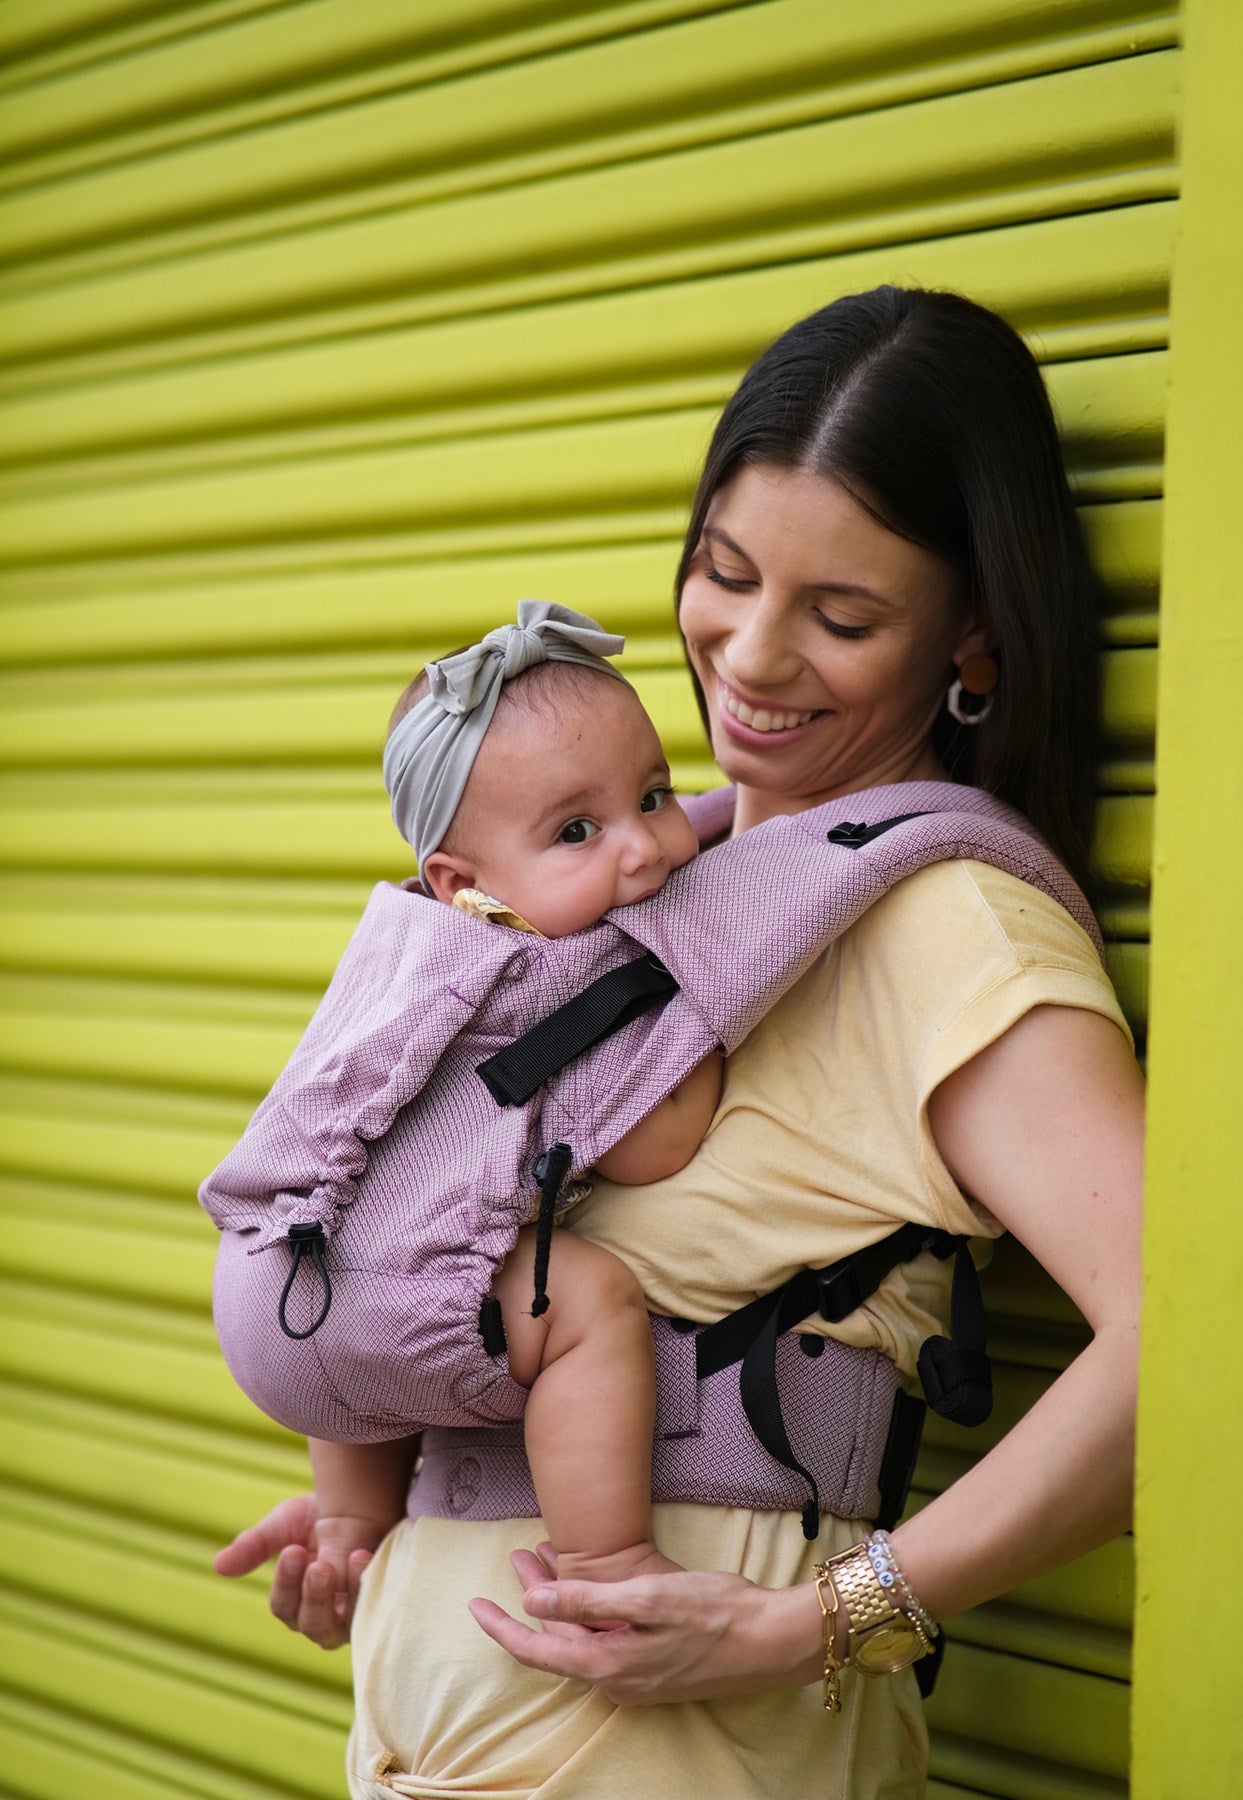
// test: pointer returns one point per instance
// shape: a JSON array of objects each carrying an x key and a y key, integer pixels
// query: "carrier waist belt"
[{"x": 837, "y": 1400}]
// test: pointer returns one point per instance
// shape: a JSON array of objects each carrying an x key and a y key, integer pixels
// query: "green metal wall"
[{"x": 326, "y": 331}]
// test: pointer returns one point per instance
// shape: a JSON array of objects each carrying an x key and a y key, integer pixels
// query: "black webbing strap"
[
  {"x": 834, "y": 1292},
  {"x": 955, "y": 1371},
  {"x": 750, "y": 1336},
  {"x": 854, "y": 837},
  {"x": 610, "y": 1002}
]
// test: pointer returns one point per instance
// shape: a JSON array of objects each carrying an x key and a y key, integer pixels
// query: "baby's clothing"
[{"x": 478, "y": 905}]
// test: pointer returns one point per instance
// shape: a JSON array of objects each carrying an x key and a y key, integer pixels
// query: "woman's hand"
[
  {"x": 691, "y": 1636},
  {"x": 305, "y": 1595}
]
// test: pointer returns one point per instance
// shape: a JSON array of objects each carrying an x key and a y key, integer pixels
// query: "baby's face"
[{"x": 574, "y": 814}]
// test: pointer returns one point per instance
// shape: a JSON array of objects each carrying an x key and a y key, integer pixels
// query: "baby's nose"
[{"x": 641, "y": 849}]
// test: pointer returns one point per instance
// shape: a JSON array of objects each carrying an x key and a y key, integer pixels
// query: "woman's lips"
[{"x": 760, "y": 725}]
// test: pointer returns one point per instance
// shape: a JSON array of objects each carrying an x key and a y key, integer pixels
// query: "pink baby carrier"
[{"x": 455, "y": 1068}]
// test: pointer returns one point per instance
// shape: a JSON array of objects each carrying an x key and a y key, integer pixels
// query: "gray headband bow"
[{"x": 431, "y": 752}]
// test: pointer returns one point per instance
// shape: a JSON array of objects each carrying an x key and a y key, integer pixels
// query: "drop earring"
[{"x": 977, "y": 677}]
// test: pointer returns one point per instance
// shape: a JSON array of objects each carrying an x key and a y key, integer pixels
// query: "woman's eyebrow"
[{"x": 850, "y": 589}]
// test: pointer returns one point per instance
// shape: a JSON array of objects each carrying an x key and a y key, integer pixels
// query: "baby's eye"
[
  {"x": 655, "y": 798},
  {"x": 577, "y": 831}
]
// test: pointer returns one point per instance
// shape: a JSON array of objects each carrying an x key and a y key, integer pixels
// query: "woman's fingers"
[
  {"x": 568, "y": 1651},
  {"x": 595, "y": 1603}
]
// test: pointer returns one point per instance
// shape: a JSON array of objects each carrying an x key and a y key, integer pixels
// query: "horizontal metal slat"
[
  {"x": 233, "y": 932},
  {"x": 1014, "y": 1775},
  {"x": 206, "y": 1054},
  {"x": 1033, "y": 1709},
  {"x": 1073, "y": 141},
  {"x": 74, "y": 1355},
  {"x": 139, "y": 1141},
  {"x": 408, "y": 139},
  {"x": 102, "y": 1248},
  {"x": 211, "y": 67},
  {"x": 136, "y": 610},
  {"x": 56, "y": 1753},
  {"x": 1110, "y": 412},
  {"x": 161, "y": 1689},
  {"x": 1094, "y": 282},
  {"x": 161, "y": 1575},
  {"x": 36, "y": 39},
  {"x": 135, "y": 1464},
  {"x": 113, "y": 1573}
]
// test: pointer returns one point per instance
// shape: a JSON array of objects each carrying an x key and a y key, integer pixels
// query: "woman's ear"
[
  {"x": 977, "y": 639},
  {"x": 447, "y": 875}
]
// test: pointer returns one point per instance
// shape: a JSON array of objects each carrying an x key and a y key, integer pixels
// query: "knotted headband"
[{"x": 431, "y": 752}]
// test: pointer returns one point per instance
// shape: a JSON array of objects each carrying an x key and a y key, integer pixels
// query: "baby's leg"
[{"x": 588, "y": 1363}]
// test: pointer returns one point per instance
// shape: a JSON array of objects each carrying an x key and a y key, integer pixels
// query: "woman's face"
[{"x": 824, "y": 642}]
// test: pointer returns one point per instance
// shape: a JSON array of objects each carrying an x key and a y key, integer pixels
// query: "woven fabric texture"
[{"x": 380, "y": 1130}]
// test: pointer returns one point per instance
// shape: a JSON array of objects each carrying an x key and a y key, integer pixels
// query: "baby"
[{"x": 535, "y": 793}]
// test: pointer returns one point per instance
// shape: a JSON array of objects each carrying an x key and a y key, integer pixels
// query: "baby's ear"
[{"x": 447, "y": 875}]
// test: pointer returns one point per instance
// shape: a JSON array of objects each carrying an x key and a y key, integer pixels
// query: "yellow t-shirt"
[{"x": 821, "y": 1143}]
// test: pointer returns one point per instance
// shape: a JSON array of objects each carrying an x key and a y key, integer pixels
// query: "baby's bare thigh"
[{"x": 588, "y": 1288}]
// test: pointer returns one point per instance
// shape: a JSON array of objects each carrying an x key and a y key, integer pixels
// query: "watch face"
[{"x": 890, "y": 1647}]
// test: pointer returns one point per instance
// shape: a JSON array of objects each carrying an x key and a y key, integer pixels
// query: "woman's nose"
[{"x": 759, "y": 652}]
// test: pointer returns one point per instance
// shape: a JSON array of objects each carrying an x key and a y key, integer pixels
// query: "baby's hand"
[{"x": 337, "y": 1540}]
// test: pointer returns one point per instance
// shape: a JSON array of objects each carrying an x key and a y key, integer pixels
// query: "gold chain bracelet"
[{"x": 833, "y": 1664}]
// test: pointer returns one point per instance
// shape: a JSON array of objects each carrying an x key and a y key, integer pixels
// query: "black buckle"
[
  {"x": 840, "y": 1292},
  {"x": 852, "y": 836}
]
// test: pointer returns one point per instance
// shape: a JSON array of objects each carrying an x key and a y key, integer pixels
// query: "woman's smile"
[{"x": 750, "y": 719}]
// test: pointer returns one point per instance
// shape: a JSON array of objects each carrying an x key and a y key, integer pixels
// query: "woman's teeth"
[{"x": 764, "y": 718}]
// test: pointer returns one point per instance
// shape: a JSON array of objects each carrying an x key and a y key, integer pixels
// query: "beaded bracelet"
[{"x": 880, "y": 1554}]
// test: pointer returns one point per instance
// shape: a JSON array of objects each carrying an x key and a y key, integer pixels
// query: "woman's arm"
[{"x": 1045, "y": 1129}]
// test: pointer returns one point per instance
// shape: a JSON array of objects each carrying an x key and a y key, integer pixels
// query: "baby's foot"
[{"x": 614, "y": 1565}]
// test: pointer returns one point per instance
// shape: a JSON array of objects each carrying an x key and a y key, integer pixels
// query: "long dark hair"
[{"x": 931, "y": 412}]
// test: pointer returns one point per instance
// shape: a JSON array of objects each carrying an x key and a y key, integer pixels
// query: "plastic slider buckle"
[
  {"x": 853, "y": 837},
  {"x": 840, "y": 1294}
]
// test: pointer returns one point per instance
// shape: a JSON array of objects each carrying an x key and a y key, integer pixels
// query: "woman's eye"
[
  {"x": 655, "y": 798},
  {"x": 577, "y": 831},
  {"x": 731, "y": 586},
  {"x": 842, "y": 631}
]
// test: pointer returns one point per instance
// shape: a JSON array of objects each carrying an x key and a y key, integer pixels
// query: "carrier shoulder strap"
[{"x": 515, "y": 1073}]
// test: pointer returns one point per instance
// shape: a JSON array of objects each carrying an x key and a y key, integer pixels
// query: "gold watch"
[{"x": 883, "y": 1637}]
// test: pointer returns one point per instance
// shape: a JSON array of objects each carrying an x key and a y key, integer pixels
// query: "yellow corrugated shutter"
[{"x": 326, "y": 331}]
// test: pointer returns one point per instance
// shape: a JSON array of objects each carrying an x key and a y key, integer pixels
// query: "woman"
[{"x": 882, "y": 503}]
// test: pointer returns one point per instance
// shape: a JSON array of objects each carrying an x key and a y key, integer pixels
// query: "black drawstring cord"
[
  {"x": 305, "y": 1240},
  {"x": 550, "y": 1171}
]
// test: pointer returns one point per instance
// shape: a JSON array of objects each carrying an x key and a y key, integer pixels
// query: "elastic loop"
[{"x": 305, "y": 1240}]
